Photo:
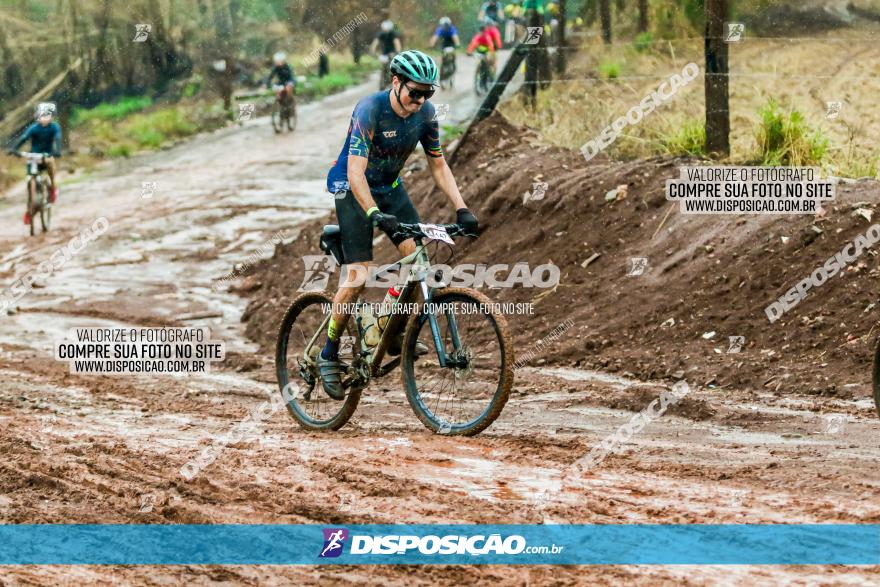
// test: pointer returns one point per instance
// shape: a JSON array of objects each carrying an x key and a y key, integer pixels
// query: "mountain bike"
[
  {"x": 458, "y": 389},
  {"x": 447, "y": 68},
  {"x": 284, "y": 110},
  {"x": 483, "y": 76},
  {"x": 37, "y": 186}
]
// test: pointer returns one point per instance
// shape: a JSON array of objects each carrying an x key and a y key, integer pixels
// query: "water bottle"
[
  {"x": 368, "y": 326},
  {"x": 385, "y": 310}
]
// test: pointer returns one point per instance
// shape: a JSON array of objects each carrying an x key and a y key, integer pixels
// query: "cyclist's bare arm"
[
  {"x": 445, "y": 181},
  {"x": 433, "y": 40},
  {"x": 374, "y": 45},
  {"x": 357, "y": 179},
  {"x": 397, "y": 46}
]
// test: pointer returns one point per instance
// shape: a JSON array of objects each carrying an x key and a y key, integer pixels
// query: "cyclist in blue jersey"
[
  {"x": 45, "y": 137},
  {"x": 446, "y": 33},
  {"x": 384, "y": 130}
]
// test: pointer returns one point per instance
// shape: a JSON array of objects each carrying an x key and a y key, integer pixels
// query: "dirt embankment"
[{"x": 705, "y": 274}]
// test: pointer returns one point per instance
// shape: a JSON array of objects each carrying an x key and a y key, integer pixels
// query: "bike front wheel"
[
  {"x": 464, "y": 397},
  {"x": 31, "y": 208},
  {"x": 295, "y": 366}
]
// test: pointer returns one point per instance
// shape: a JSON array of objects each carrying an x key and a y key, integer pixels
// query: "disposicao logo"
[{"x": 334, "y": 539}]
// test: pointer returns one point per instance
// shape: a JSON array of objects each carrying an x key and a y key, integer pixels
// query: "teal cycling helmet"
[{"x": 415, "y": 66}]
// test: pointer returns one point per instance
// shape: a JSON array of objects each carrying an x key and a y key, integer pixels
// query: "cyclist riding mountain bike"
[
  {"x": 446, "y": 33},
  {"x": 45, "y": 137},
  {"x": 484, "y": 43},
  {"x": 283, "y": 71},
  {"x": 384, "y": 130},
  {"x": 387, "y": 41}
]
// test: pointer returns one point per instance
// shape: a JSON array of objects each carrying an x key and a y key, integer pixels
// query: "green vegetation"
[
  {"x": 643, "y": 41},
  {"x": 148, "y": 130},
  {"x": 610, "y": 69},
  {"x": 786, "y": 138},
  {"x": 689, "y": 139},
  {"x": 450, "y": 132},
  {"x": 111, "y": 110}
]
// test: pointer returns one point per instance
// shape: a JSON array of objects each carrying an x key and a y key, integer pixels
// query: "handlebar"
[{"x": 415, "y": 231}]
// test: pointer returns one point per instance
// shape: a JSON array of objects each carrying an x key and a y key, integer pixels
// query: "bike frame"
[
  {"x": 415, "y": 281},
  {"x": 35, "y": 173}
]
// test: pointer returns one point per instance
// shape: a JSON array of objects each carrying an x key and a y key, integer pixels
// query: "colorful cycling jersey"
[
  {"x": 482, "y": 42},
  {"x": 386, "y": 41},
  {"x": 446, "y": 35},
  {"x": 44, "y": 139},
  {"x": 386, "y": 140}
]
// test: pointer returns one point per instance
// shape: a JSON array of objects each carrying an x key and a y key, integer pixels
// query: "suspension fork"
[{"x": 442, "y": 357}]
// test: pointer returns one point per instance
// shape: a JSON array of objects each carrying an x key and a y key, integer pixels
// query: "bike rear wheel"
[
  {"x": 462, "y": 399},
  {"x": 298, "y": 378}
]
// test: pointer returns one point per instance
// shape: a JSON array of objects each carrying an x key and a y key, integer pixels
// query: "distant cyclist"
[
  {"x": 283, "y": 72},
  {"x": 387, "y": 41},
  {"x": 45, "y": 137},
  {"x": 484, "y": 43},
  {"x": 384, "y": 130},
  {"x": 446, "y": 33},
  {"x": 491, "y": 10}
]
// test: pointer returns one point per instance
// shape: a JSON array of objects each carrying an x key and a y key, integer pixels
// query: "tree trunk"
[
  {"x": 643, "y": 16},
  {"x": 561, "y": 44},
  {"x": 605, "y": 16},
  {"x": 99, "y": 68},
  {"x": 717, "y": 91}
]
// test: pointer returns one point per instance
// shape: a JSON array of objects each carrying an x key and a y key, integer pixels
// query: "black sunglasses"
[{"x": 416, "y": 94}]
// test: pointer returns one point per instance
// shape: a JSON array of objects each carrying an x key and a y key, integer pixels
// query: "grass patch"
[
  {"x": 643, "y": 41},
  {"x": 111, "y": 111},
  {"x": 451, "y": 132},
  {"x": 610, "y": 69},
  {"x": 785, "y": 138},
  {"x": 317, "y": 87},
  {"x": 689, "y": 139}
]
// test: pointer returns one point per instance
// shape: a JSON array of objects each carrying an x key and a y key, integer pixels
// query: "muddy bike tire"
[
  {"x": 284, "y": 372},
  {"x": 291, "y": 116},
  {"x": 505, "y": 369},
  {"x": 45, "y": 211},
  {"x": 876, "y": 377},
  {"x": 32, "y": 190}
]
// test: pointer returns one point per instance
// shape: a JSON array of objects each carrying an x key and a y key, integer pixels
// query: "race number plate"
[{"x": 435, "y": 232}]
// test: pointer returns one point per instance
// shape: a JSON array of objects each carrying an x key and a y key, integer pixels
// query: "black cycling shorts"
[{"x": 356, "y": 228}]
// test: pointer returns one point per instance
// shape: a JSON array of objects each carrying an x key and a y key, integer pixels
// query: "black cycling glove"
[
  {"x": 387, "y": 223},
  {"x": 467, "y": 220}
]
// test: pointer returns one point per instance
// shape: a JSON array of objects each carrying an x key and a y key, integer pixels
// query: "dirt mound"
[{"x": 708, "y": 277}]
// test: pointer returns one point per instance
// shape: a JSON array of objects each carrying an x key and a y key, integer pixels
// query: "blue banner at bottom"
[{"x": 772, "y": 544}]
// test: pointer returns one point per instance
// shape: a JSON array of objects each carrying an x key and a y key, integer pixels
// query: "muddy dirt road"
[{"x": 88, "y": 449}]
